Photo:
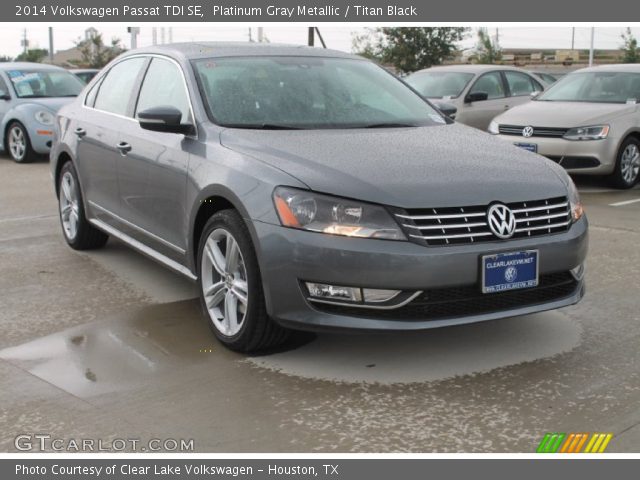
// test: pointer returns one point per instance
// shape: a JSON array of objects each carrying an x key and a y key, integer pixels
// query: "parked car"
[
  {"x": 479, "y": 92},
  {"x": 30, "y": 96},
  {"x": 308, "y": 188},
  {"x": 588, "y": 122},
  {"x": 85, "y": 74}
]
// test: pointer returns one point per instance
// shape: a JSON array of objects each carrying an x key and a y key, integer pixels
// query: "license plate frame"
[{"x": 525, "y": 263}]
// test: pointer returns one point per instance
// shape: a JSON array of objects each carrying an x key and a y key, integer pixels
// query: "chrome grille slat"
[
  {"x": 466, "y": 225},
  {"x": 447, "y": 226}
]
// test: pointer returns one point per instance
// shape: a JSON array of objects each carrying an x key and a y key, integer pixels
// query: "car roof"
[
  {"x": 469, "y": 68},
  {"x": 27, "y": 65},
  {"x": 83, "y": 70},
  {"x": 196, "y": 50},
  {"x": 621, "y": 67}
]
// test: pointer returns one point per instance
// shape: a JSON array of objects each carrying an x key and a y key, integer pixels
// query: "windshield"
[
  {"x": 308, "y": 93},
  {"x": 601, "y": 87},
  {"x": 44, "y": 83},
  {"x": 439, "y": 84}
]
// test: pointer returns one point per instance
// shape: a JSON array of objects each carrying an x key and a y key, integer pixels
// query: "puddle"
[
  {"x": 120, "y": 353},
  {"x": 428, "y": 355}
]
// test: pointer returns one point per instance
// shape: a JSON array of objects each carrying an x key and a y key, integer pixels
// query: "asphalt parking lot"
[{"x": 109, "y": 345}]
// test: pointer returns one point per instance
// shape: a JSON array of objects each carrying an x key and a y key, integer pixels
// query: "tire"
[
  {"x": 230, "y": 286},
  {"x": 18, "y": 144},
  {"x": 627, "y": 170},
  {"x": 77, "y": 231}
]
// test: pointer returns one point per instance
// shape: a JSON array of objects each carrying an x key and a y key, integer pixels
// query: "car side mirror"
[
  {"x": 164, "y": 119},
  {"x": 448, "y": 109},
  {"x": 476, "y": 97},
  {"x": 4, "y": 95},
  {"x": 535, "y": 94}
]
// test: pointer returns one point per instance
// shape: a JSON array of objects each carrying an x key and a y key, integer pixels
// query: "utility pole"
[
  {"x": 51, "y": 45},
  {"x": 260, "y": 34},
  {"x": 162, "y": 37},
  {"x": 154, "y": 36},
  {"x": 573, "y": 37},
  {"x": 134, "y": 31},
  {"x": 311, "y": 37},
  {"x": 250, "y": 38},
  {"x": 497, "y": 37},
  {"x": 170, "y": 34},
  {"x": 593, "y": 33},
  {"x": 24, "y": 42}
]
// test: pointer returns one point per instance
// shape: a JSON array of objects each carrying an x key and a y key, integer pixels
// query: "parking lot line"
[{"x": 626, "y": 202}]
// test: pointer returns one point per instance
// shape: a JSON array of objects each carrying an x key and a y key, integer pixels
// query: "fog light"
[
  {"x": 578, "y": 272},
  {"x": 334, "y": 292}
]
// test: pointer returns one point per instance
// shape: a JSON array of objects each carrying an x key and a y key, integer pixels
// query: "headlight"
[
  {"x": 44, "y": 117},
  {"x": 493, "y": 128},
  {"x": 315, "y": 212},
  {"x": 574, "y": 201},
  {"x": 597, "y": 132}
]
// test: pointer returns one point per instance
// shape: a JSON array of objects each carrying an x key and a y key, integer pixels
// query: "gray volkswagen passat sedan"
[{"x": 310, "y": 189}]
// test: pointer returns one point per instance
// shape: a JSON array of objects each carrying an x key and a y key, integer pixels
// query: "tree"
[
  {"x": 631, "y": 52},
  {"x": 95, "y": 54},
  {"x": 488, "y": 50},
  {"x": 5, "y": 58},
  {"x": 35, "y": 55},
  {"x": 409, "y": 49}
]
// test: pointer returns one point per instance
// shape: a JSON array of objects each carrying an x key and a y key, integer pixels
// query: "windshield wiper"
[
  {"x": 262, "y": 126},
  {"x": 389, "y": 125}
]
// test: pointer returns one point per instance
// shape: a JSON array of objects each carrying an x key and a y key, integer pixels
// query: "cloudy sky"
[{"x": 337, "y": 37}]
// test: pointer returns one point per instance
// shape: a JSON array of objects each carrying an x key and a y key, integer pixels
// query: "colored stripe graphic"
[{"x": 554, "y": 442}]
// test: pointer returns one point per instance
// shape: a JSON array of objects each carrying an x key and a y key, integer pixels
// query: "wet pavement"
[{"x": 108, "y": 345}]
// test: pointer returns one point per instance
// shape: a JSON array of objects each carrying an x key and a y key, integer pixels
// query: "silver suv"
[{"x": 310, "y": 189}]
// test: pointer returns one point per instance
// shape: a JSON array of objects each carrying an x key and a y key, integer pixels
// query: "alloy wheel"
[
  {"x": 17, "y": 143},
  {"x": 69, "y": 205},
  {"x": 224, "y": 282},
  {"x": 630, "y": 163}
]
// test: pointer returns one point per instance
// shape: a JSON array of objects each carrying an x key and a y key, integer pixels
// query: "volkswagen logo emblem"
[
  {"x": 502, "y": 221},
  {"x": 527, "y": 132},
  {"x": 510, "y": 274}
]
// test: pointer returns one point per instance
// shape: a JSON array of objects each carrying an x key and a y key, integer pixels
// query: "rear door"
[
  {"x": 153, "y": 174},
  {"x": 97, "y": 131},
  {"x": 479, "y": 114},
  {"x": 6, "y": 102}
]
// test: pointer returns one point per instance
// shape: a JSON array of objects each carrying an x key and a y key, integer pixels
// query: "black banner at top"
[{"x": 310, "y": 11}]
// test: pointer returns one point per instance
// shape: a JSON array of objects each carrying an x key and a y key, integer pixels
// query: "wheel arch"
[{"x": 210, "y": 201}]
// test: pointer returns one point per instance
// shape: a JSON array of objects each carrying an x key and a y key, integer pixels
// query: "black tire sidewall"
[
  {"x": 82, "y": 222},
  {"x": 231, "y": 221},
  {"x": 28, "y": 151}
]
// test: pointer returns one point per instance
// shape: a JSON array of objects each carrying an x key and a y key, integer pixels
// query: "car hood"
[
  {"x": 440, "y": 166},
  {"x": 54, "y": 104},
  {"x": 563, "y": 114}
]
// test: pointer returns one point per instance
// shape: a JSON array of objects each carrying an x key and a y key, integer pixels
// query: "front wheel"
[
  {"x": 231, "y": 288},
  {"x": 627, "y": 167},
  {"x": 19, "y": 144}
]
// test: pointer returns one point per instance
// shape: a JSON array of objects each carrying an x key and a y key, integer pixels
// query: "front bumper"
[
  {"x": 590, "y": 157},
  {"x": 41, "y": 138},
  {"x": 288, "y": 257}
]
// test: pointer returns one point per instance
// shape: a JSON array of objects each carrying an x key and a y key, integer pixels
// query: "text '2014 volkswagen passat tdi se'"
[{"x": 310, "y": 189}]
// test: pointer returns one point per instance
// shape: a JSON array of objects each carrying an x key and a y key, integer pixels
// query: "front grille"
[
  {"x": 464, "y": 225},
  {"x": 550, "y": 132},
  {"x": 573, "y": 162},
  {"x": 457, "y": 302}
]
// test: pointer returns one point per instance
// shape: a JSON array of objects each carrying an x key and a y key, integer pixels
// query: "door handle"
[
  {"x": 80, "y": 132},
  {"x": 124, "y": 148}
]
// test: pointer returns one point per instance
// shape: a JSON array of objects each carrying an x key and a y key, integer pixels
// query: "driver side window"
[
  {"x": 491, "y": 84},
  {"x": 163, "y": 86}
]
